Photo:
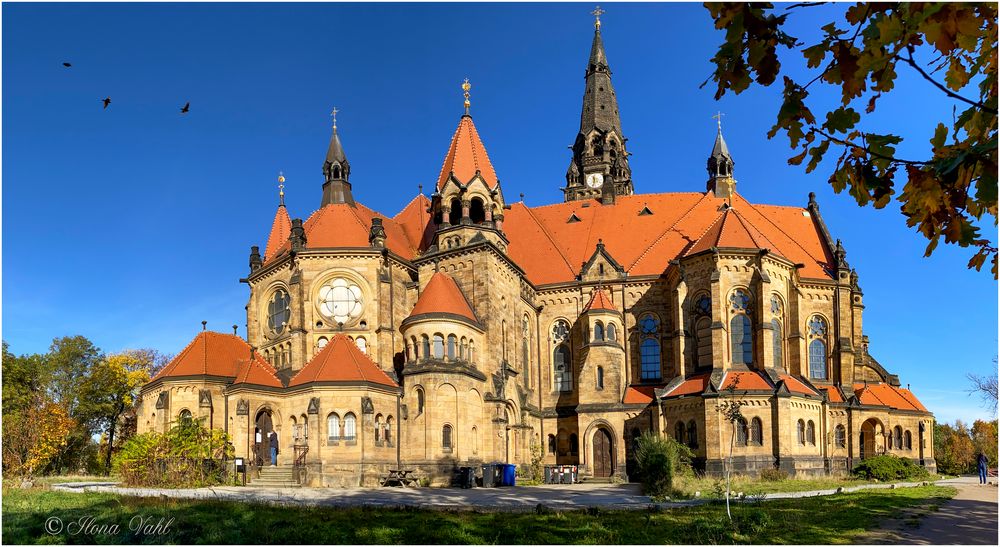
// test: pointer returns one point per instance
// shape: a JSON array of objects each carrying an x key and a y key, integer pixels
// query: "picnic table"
[{"x": 399, "y": 477}]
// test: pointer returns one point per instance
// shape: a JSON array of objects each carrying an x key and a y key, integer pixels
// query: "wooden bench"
[{"x": 399, "y": 477}]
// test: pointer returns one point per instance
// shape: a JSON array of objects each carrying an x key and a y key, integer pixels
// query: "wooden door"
[{"x": 602, "y": 462}]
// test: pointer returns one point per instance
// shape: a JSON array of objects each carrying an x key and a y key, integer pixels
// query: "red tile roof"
[
  {"x": 745, "y": 380},
  {"x": 733, "y": 231},
  {"x": 639, "y": 395},
  {"x": 210, "y": 353},
  {"x": 281, "y": 228},
  {"x": 466, "y": 156},
  {"x": 341, "y": 361},
  {"x": 599, "y": 300},
  {"x": 257, "y": 372},
  {"x": 692, "y": 386},
  {"x": 795, "y": 385},
  {"x": 880, "y": 394},
  {"x": 414, "y": 220},
  {"x": 442, "y": 295},
  {"x": 832, "y": 394}
]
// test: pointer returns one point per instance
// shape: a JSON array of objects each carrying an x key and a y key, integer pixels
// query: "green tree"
[
  {"x": 984, "y": 439},
  {"x": 33, "y": 436},
  {"x": 953, "y": 448},
  {"x": 944, "y": 195},
  {"x": 70, "y": 359},
  {"x": 110, "y": 389},
  {"x": 25, "y": 378}
]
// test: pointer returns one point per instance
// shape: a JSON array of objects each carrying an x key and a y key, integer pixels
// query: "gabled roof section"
[
  {"x": 257, "y": 372},
  {"x": 209, "y": 354},
  {"x": 416, "y": 223},
  {"x": 639, "y": 395},
  {"x": 599, "y": 300},
  {"x": 880, "y": 394},
  {"x": 732, "y": 230},
  {"x": 281, "y": 228},
  {"x": 693, "y": 385},
  {"x": 342, "y": 362},
  {"x": 746, "y": 381},
  {"x": 466, "y": 156},
  {"x": 795, "y": 385},
  {"x": 443, "y": 296}
]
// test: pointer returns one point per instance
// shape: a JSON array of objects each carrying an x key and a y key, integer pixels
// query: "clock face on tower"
[{"x": 595, "y": 180}]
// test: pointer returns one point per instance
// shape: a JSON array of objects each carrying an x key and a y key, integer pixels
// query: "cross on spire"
[
  {"x": 718, "y": 117},
  {"x": 597, "y": 17},
  {"x": 333, "y": 113},
  {"x": 281, "y": 187},
  {"x": 466, "y": 86}
]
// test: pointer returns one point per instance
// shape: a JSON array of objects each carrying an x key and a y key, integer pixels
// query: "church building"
[{"x": 467, "y": 329}]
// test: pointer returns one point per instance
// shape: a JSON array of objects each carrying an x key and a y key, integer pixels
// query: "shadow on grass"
[{"x": 844, "y": 518}]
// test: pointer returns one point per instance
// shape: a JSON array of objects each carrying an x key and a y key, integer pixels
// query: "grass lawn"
[
  {"x": 839, "y": 519},
  {"x": 687, "y": 486}
]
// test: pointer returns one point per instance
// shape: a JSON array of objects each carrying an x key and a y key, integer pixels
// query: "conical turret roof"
[{"x": 466, "y": 156}]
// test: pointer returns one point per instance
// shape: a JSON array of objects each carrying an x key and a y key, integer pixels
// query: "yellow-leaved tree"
[{"x": 33, "y": 437}]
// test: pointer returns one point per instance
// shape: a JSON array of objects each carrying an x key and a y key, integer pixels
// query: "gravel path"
[{"x": 970, "y": 518}]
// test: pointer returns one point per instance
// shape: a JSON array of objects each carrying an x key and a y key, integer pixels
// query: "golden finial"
[
  {"x": 718, "y": 117},
  {"x": 281, "y": 187},
  {"x": 466, "y": 86},
  {"x": 597, "y": 16},
  {"x": 334, "y": 114}
]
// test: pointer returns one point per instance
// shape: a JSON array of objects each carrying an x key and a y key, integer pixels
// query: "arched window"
[
  {"x": 740, "y": 328},
  {"x": 692, "y": 432},
  {"x": 574, "y": 444},
  {"x": 817, "y": 348},
  {"x": 600, "y": 377},
  {"x": 612, "y": 332},
  {"x": 802, "y": 432},
  {"x": 420, "y": 401},
  {"x": 649, "y": 353},
  {"x": 378, "y": 429},
  {"x": 278, "y": 311},
  {"x": 472, "y": 351},
  {"x": 598, "y": 331},
  {"x": 552, "y": 444},
  {"x": 840, "y": 436},
  {"x": 741, "y": 432},
  {"x": 446, "y": 437},
  {"x": 452, "y": 342},
  {"x": 425, "y": 346},
  {"x": 321, "y": 343},
  {"x": 562, "y": 368},
  {"x": 897, "y": 432},
  {"x": 811, "y": 433},
  {"x": 475, "y": 440},
  {"x": 185, "y": 414},
  {"x": 702, "y": 312},
  {"x": 525, "y": 360},
  {"x": 679, "y": 432},
  {"x": 416, "y": 348},
  {"x": 455, "y": 212},
  {"x": 477, "y": 212},
  {"x": 907, "y": 440},
  {"x": 438, "y": 346},
  {"x": 362, "y": 344},
  {"x": 388, "y": 430},
  {"x": 350, "y": 424},
  {"x": 463, "y": 348},
  {"x": 560, "y": 331},
  {"x": 757, "y": 432},
  {"x": 332, "y": 428}
]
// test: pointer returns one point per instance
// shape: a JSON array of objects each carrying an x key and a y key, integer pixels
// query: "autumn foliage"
[
  {"x": 33, "y": 437},
  {"x": 860, "y": 53}
]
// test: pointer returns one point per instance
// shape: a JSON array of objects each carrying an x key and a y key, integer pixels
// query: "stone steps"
[{"x": 275, "y": 477}]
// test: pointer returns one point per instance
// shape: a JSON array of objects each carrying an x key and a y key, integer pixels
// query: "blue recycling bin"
[{"x": 509, "y": 474}]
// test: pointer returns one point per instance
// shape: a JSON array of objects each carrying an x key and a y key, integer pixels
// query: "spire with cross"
[
  {"x": 718, "y": 118},
  {"x": 281, "y": 189},
  {"x": 466, "y": 86},
  {"x": 333, "y": 114},
  {"x": 597, "y": 17}
]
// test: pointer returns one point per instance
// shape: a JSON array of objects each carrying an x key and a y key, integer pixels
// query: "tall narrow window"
[
  {"x": 612, "y": 332},
  {"x": 378, "y": 429},
  {"x": 472, "y": 351},
  {"x": 333, "y": 428},
  {"x": 552, "y": 444},
  {"x": 811, "y": 433},
  {"x": 740, "y": 327},
  {"x": 452, "y": 342},
  {"x": 840, "y": 437},
  {"x": 463, "y": 349},
  {"x": 702, "y": 312},
  {"x": 679, "y": 432},
  {"x": 475, "y": 440},
  {"x": 649, "y": 353},
  {"x": 446, "y": 437},
  {"x": 692, "y": 432},
  {"x": 802, "y": 432},
  {"x": 907, "y": 440},
  {"x": 817, "y": 348},
  {"x": 388, "y": 430},
  {"x": 600, "y": 377},
  {"x": 425, "y": 347},
  {"x": 574, "y": 444},
  {"x": 438, "y": 346},
  {"x": 741, "y": 432},
  {"x": 525, "y": 351},
  {"x": 777, "y": 339},
  {"x": 420, "y": 401},
  {"x": 350, "y": 424},
  {"x": 756, "y": 432},
  {"x": 562, "y": 368},
  {"x": 416, "y": 348},
  {"x": 598, "y": 331}
]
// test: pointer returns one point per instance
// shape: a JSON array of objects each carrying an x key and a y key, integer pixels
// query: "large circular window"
[
  {"x": 278, "y": 312},
  {"x": 341, "y": 300}
]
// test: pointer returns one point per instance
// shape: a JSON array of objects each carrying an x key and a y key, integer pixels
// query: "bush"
[
  {"x": 658, "y": 461},
  {"x": 773, "y": 475},
  {"x": 888, "y": 467},
  {"x": 188, "y": 455}
]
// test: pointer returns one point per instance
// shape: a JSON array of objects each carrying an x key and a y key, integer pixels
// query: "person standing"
[
  {"x": 273, "y": 440},
  {"x": 982, "y": 462}
]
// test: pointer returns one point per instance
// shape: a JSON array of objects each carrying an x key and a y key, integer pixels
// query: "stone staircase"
[
  {"x": 275, "y": 476},
  {"x": 595, "y": 480}
]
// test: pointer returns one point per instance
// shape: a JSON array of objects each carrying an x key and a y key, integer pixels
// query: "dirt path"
[{"x": 970, "y": 518}]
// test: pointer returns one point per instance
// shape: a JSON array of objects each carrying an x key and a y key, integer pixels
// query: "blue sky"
[{"x": 132, "y": 225}]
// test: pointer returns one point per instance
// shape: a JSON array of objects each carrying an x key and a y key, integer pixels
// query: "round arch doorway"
[
  {"x": 603, "y": 461},
  {"x": 263, "y": 426}
]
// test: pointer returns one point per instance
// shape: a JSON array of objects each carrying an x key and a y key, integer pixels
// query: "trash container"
[
  {"x": 489, "y": 475},
  {"x": 548, "y": 474},
  {"x": 466, "y": 477},
  {"x": 509, "y": 475}
]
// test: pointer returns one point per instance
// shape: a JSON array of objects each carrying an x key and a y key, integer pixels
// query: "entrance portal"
[
  {"x": 263, "y": 427},
  {"x": 603, "y": 461},
  {"x": 871, "y": 430}
]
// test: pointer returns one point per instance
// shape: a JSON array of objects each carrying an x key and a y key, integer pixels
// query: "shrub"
[
  {"x": 888, "y": 467},
  {"x": 658, "y": 461},
  {"x": 188, "y": 455},
  {"x": 773, "y": 475}
]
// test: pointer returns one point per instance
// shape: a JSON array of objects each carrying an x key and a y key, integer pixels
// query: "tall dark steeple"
[
  {"x": 720, "y": 166},
  {"x": 599, "y": 154},
  {"x": 337, "y": 171}
]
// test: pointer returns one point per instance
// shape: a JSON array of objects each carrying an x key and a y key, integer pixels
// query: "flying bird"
[
  {"x": 67, "y": 65},
  {"x": 106, "y": 101},
  {"x": 186, "y": 108}
]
